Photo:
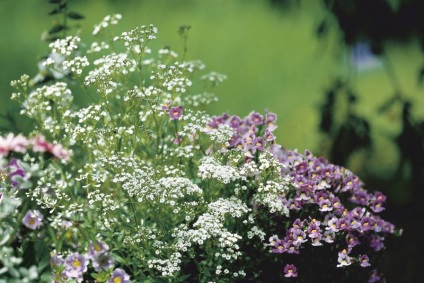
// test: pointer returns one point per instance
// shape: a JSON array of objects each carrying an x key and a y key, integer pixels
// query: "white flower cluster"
[
  {"x": 96, "y": 47},
  {"x": 210, "y": 228},
  {"x": 171, "y": 77},
  {"x": 270, "y": 194},
  {"x": 210, "y": 168},
  {"x": 198, "y": 100},
  {"x": 65, "y": 46},
  {"x": 214, "y": 77},
  {"x": 136, "y": 39},
  {"x": 103, "y": 202},
  {"x": 108, "y": 20},
  {"x": 167, "y": 267},
  {"x": 51, "y": 187},
  {"x": 187, "y": 151},
  {"x": 47, "y": 105},
  {"x": 194, "y": 124},
  {"x": 108, "y": 66},
  {"x": 166, "y": 51},
  {"x": 171, "y": 190},
  {"x": 44, "y": 99},
  {"x": 221, "y": 134},
  {"x": 76, "y": 65}
]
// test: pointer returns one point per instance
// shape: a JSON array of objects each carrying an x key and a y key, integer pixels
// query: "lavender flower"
[
  {"x": 33, "y": 219},
  {"x": 97, "y": 247},
  {"x": 256, "y": 118},
  {"x": 344, "y": 259},
  {"x": 16, "y": 173},
  {"x": 364, "y": 261},
  {"x": 75, "y": 266},
  {"x": 119, "y": 276},
  {"x": 175, "y": 112},
  {"x": 290, "y": 270},
  {"x": 374, "y": 277}
]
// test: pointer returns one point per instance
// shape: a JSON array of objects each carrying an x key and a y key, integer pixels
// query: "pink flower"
[
  {"x": 175, "y": 112},
  {"x": 57, "y": 150},
  {"x": 12, "y": 143}
]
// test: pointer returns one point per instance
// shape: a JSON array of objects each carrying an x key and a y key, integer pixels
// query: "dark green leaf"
[
  {"x": 421, "y": 76},
  {"x": 322, "y": 29},
  {"x": 56, "y": 29},
  {"x": 75, "y": 16},
  {"x": 55, "y": 11},
  {"x": 55, "y": 1},
  {"x": 387, "y": 105}
]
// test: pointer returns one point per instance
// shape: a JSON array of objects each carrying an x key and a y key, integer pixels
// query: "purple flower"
[
  {"x": 259, "y": 143},
  {"x": 377, "y": 206},
  {"x": 166, "y": 105},
  {"x": 235, "y": 122},
  {"x": 56, "y": 261},
  {"x": 270, "y": 121},
  {"x": 279, "y": 247},
  {"x": 75, "y": 266},
  {"x": 374, "y": 277},
  {"x": 175, "y": 112},
  {"x": 325, "y": 205},
  {"x": 97, "y": 247},
  {"x": 376, "y": 242},
  {"x": 314, "y": 230},
  {"x": 290, "y": 270},
  {"x": 290, "y": 247},
  {"x": 119, "y": 276},
  {"x": 298, "y": 236},
  {"x": 256, "y": 118},
  {"x": 352, "y": 240},
  {"x": 344, "y": 259},
  {"x": 17, "y": 173},
  {"x": 329, "y": 236},
  {"x": 364, "y": 261},
  {"x": 33, "y": 219},
  {"x": 269, "y": 136},
  {"x": 367, "y": 223},
  {"x": 333, "y": 225}
]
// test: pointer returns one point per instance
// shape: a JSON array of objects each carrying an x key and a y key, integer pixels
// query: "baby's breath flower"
[{"x": 108, "y": 20}]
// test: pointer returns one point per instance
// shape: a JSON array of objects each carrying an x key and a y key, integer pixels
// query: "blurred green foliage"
[{"x": 272, "y": 56}]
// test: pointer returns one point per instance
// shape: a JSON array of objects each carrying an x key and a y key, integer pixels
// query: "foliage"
[{"x": 152, "y": 189}]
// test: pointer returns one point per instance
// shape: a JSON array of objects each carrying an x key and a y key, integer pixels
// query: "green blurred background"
[{"x": 275, "y": 58}]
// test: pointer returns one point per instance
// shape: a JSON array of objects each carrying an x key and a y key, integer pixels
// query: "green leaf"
[
  {"x": 55, "y": 1},
  {"x": 56, "y": 29},
  {"x": 75, "y": 16},
  {"x": 55, "y": 11}
]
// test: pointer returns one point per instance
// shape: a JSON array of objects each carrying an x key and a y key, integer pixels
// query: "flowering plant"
[{"x": 141, "y": 185}]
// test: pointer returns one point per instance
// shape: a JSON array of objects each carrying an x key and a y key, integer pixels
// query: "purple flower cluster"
[
  {"x": 343, "y": 212},
  {"x": 251, "y": 134},
  {"x": 320, "y": 185},
  {"x": 75, "y": 264}
]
